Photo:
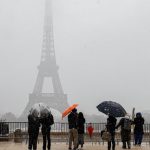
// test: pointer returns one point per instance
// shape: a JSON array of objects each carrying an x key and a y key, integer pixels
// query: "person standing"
[
  {"x": 138, "y": 129},
  {"x": 125, "y": 124},
  {"x": 33, "y": 131},
  {"x": 90, "y": 130},
  {"x": 81, "y": 129},
  {"x": 73, "y": 132},
  {"x": 46, "y": 128},
  {"x": 110, "y": 126}
]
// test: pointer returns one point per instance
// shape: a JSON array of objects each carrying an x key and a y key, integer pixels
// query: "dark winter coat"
[
  {"x": 33, "y": 125},
  {"x": 46, "y": 123},
  {"x": 72, "y": 120},
  {"x": 111, "y": 123},
  {"x": 80, "y": 123},
  {"x": 139, "y": 122}
]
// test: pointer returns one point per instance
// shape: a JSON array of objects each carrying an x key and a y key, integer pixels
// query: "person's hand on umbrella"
[{"x": 68, "y": 110}]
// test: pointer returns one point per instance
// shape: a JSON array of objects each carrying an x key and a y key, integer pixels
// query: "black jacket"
[
  {"x": 80, "y": 123},
  {"x": 111, "y": 123},
  {"x": 72, "y": 120},
  {"x": 46, "y": 123},
  {"x": 139, "y": 122},
  {"x": 33, "y": 125}
]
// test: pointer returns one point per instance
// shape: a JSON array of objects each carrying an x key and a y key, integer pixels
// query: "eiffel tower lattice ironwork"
[{"x": 47, "y": 69}]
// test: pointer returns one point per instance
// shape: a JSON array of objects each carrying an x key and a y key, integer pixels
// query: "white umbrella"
[{"x": 40, "y": 110}]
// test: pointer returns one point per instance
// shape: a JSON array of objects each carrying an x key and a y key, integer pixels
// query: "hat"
[{"x": 138, "y": 114}]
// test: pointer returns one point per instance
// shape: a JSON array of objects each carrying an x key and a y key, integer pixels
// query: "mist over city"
[{"x": 101, "y": 49}]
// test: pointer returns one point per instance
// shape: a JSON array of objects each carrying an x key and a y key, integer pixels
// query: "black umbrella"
[{"x": 111, "y": 108}]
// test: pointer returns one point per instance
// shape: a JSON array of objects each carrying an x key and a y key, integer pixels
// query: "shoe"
[{"x": 70, "y": 148}]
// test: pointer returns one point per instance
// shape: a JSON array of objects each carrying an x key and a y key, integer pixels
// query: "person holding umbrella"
[
  {"x": 113, "y": 110},
  {"x": 46, "y": 122},
  {"x": 44, "y": 116},
  {"x": 110, "y": 126},
  {"x": 73, "y": 132},
  {"x": 72, "y": 121},
  {"x": 33, "y": 129}
]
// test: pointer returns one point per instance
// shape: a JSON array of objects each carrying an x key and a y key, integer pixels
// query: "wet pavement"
[{"x": 64, "y": 146}]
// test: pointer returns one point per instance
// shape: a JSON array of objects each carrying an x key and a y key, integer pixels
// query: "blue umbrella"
[{"x": 111, "y": 108}]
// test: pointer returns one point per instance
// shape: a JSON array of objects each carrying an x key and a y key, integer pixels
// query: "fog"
[{"x": 102, "y": 50}]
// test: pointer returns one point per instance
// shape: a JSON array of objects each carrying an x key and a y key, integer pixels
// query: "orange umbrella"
[{"x": 68, "y": 110}]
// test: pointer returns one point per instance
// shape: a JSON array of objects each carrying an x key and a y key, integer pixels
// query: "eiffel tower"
[{"x": 47, "y": 69}]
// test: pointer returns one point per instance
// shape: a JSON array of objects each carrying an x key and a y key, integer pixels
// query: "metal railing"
[
  {"x": 60, "y": 130},
  {"x": 57, "y": 127},
  {"x": 61, "y": 127}
]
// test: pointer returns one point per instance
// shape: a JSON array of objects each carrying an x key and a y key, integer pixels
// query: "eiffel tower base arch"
[{"x": 51, "y": 99}]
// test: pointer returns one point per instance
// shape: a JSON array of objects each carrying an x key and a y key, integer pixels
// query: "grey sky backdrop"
[{"x": 102, "y": 48}]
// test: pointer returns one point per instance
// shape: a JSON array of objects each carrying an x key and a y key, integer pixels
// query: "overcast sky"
[{"x": 102, "y": 49}]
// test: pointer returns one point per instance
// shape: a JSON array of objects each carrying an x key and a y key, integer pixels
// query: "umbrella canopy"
[
  {"x": 40, "y": 110},
  {"x": 111, "y": 108},
  {"x": 68, "y": 110},
  {"x": 34, "y": 112}
]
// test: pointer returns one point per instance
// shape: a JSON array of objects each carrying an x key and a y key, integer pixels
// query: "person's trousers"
[
  {"x": 46, "y": 137},
  {"x": 73, "y": 137},
  {"x": 80, "y": 139},
  {"x": 32, "y": 141},
  {"x": 112, "y": 142},
  {"x": 138, "y": 138},
  {"x": 124, "y": 144}
]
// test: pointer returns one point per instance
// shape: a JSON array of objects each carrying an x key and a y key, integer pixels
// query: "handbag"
[{"x": 105, "y": 135}]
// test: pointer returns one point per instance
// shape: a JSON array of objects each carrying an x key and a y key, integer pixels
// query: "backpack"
[{"x": 127, "y": 124}]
